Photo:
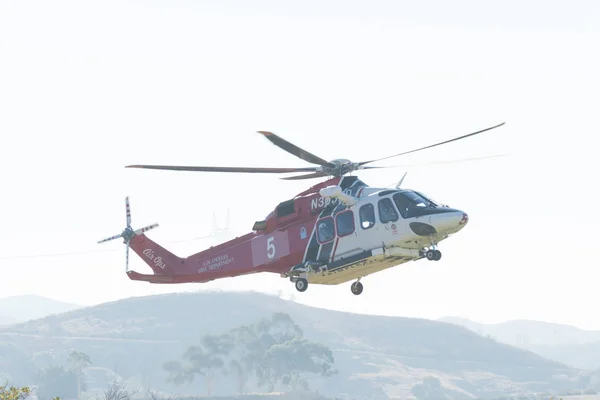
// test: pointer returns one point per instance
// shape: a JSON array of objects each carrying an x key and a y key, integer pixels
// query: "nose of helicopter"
[
  {"x": 450, "y": 222},
  {"x": 444, "y": 222}
]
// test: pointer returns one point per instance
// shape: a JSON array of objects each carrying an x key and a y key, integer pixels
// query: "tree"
[
  {"x": 205, "y": 364},
  {"x": 283, "y": 328},
  {"x": 244, "y": 355},
  {"x": 285, "y": 356},
  {"x": 56, "y": 381},
  {"x": 291, "y": 362},
  {"x": 177, "y": 373},
  {"x": 15, "y": 364},
  {"x": 118, "y": 391},
  {"x": 14, "y": 393},
  {"x": 79, "y": 362},
  {"x": 273, "y": 350},
  {"x": 203, "y": 360}
]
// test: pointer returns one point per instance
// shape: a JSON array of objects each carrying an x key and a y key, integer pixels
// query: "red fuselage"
[{"x": 284, "y": 239}]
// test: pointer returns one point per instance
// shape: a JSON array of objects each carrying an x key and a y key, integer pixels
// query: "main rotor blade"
[
  {"x": 265, "y": 170},
  {"x": 433, "y": 145},
  {"x": 293, "y": 149},
  {"x": 450, "y": 161},
  {"x": 305, "y": 176}
]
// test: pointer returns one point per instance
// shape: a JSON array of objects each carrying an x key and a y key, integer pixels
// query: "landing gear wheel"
[
  {"x": 433, "y": 255},
  {"x": 356, "y": 288},
  {"x": 301, "y": 284}
]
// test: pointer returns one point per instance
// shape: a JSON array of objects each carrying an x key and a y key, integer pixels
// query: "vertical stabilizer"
[{"x": 161, "y": 260}]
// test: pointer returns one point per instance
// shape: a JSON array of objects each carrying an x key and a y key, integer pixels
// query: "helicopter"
[{"x": 336, "y": 231}]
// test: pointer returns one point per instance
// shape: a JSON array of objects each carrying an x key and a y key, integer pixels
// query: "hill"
[
  {"x": 7, "y": 320},
  {"x": 27, "y": 307},
  {"x": 519, "y": 332},
  {"x": 377, "y": 356},
  {"x": 584, "y": 356},
  {"x": 563, "y": 343}
]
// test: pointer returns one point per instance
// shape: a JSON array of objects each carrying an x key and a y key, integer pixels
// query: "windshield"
[
  {"x": 429, "y": 199},
  {"x": 418, "y": 200},
  {"x": 411, "y": 204}
]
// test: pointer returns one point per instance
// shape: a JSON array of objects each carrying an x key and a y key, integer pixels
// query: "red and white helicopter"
[{"x": 334, "y": 232}]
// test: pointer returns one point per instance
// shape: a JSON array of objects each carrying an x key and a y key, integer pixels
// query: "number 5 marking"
[{"x": 270, "y": 248}]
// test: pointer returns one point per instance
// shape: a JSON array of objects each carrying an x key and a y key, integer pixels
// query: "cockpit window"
[
  {"x": 434, "y": 203},
  {"x": 411, "y": 203},
  {"x": 403, "y": 204}
]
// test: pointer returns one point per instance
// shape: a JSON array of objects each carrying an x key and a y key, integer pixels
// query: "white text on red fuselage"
[
  {"x": 157, "y": 260},
  {"x": 321, "y": 202},
  {"x": 215, "y": 263}
]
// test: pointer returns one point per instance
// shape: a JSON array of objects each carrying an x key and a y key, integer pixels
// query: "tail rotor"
[
  {"x": 127, "y": 211},
  {"x": 128, "y": 233}
]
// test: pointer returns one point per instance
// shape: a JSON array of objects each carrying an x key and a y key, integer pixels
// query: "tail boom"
[
  {"x": 228, "y": 259},
  {"x": 248, "y": 254}
]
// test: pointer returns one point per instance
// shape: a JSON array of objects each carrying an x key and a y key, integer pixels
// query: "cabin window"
[
  {"x": 387, "y": 212},
  {"x": 325, "y": 230},
  {"x": 344, "y": 222},
  {"x": 402, "y": 203},
  {"x": 367, "y": 216},
  {"x": 285, "y": 208}
]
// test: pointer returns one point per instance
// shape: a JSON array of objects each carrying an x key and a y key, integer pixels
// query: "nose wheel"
[
  {"x": 433, "y": 255},
  {"x": 356, "y": 288}
]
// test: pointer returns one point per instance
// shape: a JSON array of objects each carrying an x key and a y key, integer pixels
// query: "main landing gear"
[
  {"x": 299, "y": 273},
  {"x": 356, "y": 288},
  {"x": 301, "y": 284}
]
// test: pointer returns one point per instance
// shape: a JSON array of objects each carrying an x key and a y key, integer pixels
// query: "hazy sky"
[{"x": 88, "y": 87}]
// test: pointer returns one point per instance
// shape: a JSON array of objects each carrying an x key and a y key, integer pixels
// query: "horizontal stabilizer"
[{"x": 136, "y": 276}]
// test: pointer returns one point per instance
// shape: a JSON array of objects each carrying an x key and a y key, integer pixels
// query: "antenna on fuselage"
[
  {"x": 401, "y": 180},
  {"x": 214, "y": 226},
  {"x": 215, "y": 231},
  {"x": 221, "y": 233}
]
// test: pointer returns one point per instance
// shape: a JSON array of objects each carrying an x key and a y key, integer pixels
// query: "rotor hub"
[
  {"x": 339, "y": 167},
  {"x": 128, "y": 234}
]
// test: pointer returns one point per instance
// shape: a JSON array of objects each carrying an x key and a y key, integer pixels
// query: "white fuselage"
[{"x": 394, "y": 226}]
